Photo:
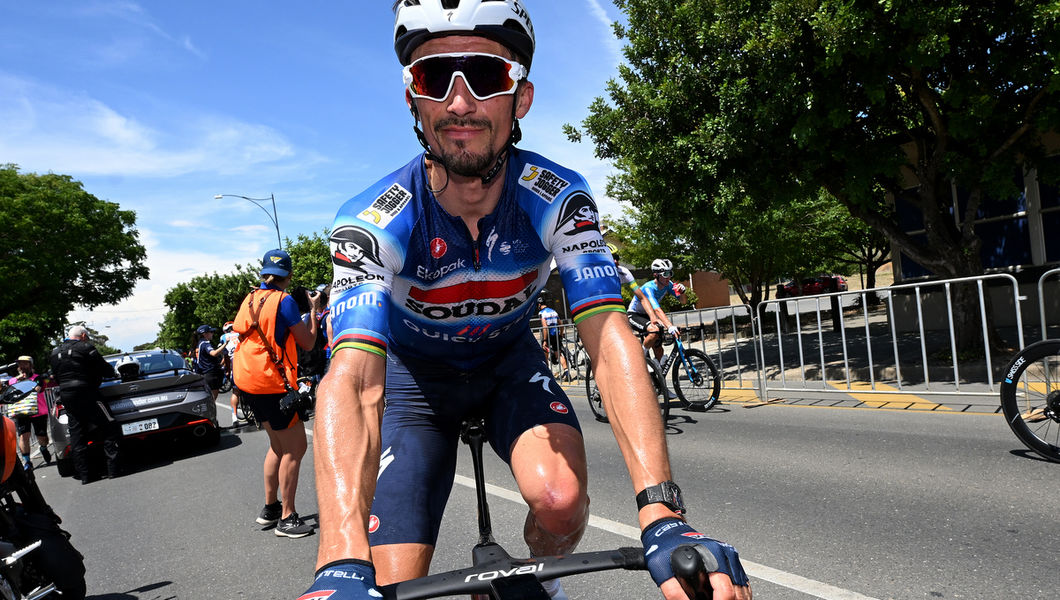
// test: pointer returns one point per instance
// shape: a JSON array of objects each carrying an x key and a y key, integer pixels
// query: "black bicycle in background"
[
  {"x": 696, "y": 381},
  {"x": 497, "y": 575},
  {"x": 1030, "y": 397}
]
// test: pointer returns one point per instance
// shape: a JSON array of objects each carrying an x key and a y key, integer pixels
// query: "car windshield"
[{"x": 155, "y": 363}]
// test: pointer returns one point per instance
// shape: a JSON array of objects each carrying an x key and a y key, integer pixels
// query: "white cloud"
[
  {"x": 610, "y": 42},
  {"x": 50, "y": 129}
]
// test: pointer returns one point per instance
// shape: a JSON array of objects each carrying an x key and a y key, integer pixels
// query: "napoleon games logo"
[
  {"x": 578, "y": 215},
  {"x": 352, "y": 247}
]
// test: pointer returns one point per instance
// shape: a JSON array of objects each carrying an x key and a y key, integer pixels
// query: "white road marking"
[{"x": 817, "y": 589}]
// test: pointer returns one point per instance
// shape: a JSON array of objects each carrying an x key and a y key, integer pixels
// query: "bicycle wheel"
[
  {"x": 1030, "y": 397},
  {"x": 579, "y": 362},
  {"x": 226, "y": 384},
  {"x": 592, "y": 393},
  {"x": 698, "y": 387},
  {"x": 655, "y": 372},
  {"x": 596, "y": 402},
  {"x": 244, "y": 413}
]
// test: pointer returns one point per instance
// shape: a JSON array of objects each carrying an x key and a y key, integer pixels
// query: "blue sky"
[{"x": 158, "y": 106}]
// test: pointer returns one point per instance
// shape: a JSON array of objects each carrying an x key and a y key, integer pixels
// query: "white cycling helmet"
[
  {"x": 661, "y": 264},
  {"x": 505, "y": 21}
]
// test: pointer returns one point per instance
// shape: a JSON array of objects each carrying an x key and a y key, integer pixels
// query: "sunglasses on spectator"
[
  {"x": 666, "y": 273},
  {"x": 485, "y": 75}
]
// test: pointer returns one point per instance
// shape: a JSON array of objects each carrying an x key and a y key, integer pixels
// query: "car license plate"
[{"x": 139, "y": 427}]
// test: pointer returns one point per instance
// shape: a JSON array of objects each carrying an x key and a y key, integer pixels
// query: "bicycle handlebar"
[{"x": 476, "y": 579}]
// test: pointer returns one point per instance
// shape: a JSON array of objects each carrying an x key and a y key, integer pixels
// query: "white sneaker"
[{"x": 554, "y": 589}]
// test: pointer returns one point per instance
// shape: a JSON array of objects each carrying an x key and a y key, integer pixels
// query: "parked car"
[
  {"x": 825, "y": 284},
  {"x": 155, "y": 395}
]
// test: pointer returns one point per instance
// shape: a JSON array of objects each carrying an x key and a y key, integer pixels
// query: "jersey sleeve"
[
  {"x": 585, "y": 266},
  {"x": 365, "y": 258}
]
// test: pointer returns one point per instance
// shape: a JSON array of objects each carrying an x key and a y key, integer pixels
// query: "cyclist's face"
[{"x": 466, "y": 132}]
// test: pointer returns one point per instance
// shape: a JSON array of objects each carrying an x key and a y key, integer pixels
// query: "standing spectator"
[
  {"x": 265, "y": 369},
  {"x": 39, "y": 420},
  {"x": 230, "y": 341},
  {"x": 79, "y": 369},
  {"x": 207, "y": 357}
]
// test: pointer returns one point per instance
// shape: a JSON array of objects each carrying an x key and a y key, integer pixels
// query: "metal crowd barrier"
[
  {"x": 874, "y": 340},
  {"x": 1041, "y": 301}
]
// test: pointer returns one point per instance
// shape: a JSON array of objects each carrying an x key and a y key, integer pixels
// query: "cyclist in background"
[
  {"x": 550, "y": 334},
  {"x": 648, "y": 318}
]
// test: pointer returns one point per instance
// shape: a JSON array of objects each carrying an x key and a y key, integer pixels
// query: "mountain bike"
[
  {"x": 1030, "y": 397},
  {"x": 499, "y": 576}
]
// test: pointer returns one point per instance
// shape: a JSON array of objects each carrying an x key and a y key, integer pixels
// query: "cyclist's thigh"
[
  {"x": 526, "y": 396},
  {"x": 416, "y": 467}
]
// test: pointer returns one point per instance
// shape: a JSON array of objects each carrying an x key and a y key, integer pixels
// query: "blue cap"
[
  {"x": 203, "y": 329},
  {"x": 276, "y": 262}
]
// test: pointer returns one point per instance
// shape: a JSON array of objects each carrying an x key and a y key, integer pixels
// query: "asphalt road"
[{"x": 821, "y": 502}]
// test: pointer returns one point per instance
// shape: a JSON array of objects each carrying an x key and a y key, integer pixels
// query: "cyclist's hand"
[
  {"x": 673, "y": 330},
  {"x": 344, "y": 580},
  {"x": 725, "y": 574}
]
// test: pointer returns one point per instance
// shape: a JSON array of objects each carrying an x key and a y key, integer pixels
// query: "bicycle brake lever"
[{"x": 691, "y": 572}]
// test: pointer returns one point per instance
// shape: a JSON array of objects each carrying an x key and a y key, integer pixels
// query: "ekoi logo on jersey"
[
  {"x": 352, "y": 247},
  {"x": 472, "y": 298},
  {"x": 578, "y": 215},
  {"x": 559, "y": 407}
]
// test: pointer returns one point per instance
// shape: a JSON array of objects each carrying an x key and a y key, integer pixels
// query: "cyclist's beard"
[{"x": 459, "y": 159}]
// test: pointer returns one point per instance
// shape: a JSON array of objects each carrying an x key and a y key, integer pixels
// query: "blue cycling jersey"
[
  {"x": 410, "y": 279},
  {"x": 551, "y": 318},
  {"x": 654, "y": 293}
]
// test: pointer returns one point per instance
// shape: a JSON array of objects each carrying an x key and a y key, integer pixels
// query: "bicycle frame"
[
  {"x": 494, "y": 571},
  {"x": 677, "y": 351}
]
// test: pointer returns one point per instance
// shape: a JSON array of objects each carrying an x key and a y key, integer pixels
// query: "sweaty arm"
[
  {"x": 631, "y": 405},
  {"x": 346, "y": 450}
]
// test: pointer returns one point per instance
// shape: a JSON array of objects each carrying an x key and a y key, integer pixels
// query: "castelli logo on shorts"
[
  {"x": 559, "y": 407},
  {"x": 373, "y": 524},
  {"x": 438, "y": 247}
]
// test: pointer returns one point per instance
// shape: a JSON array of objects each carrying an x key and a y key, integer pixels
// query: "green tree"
[
  {"x": 205, "y": 300},
  {"x": 726, "y": 99},
  {"x": 60, "y": 247},
  {"x": 310, "y": 258}
]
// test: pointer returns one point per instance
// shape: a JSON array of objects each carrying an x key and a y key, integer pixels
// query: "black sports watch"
[{"x": 666, "y": 493}]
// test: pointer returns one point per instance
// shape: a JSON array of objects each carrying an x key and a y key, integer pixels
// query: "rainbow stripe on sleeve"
[
  {"x": 595, "y": 305},
  {"x": 361, "y": 339}
]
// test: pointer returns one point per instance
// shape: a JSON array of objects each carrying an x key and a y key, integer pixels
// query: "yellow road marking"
[{"x": 876, "y": 400}]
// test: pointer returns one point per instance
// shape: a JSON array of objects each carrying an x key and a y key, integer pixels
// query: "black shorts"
[
  {"x": 553, "y": 347},
  {"x": 213, "y": 378},
  {"x": 425, "y": 406},
  {"x": 639, "y": 322},
  {"x": 39, "y": 424},
  {"x": 266, "y": 409}
]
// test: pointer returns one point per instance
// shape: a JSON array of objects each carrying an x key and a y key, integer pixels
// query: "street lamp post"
[{"x": 275, "y": 221}]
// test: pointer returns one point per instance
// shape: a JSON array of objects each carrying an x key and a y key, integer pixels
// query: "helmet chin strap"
[{"x": 513, "y": 139}]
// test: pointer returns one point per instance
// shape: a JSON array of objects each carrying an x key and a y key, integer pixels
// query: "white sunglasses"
[{"x": 486, "y": 75}]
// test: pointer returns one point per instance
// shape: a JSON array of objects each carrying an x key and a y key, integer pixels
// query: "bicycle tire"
[
  {"x": 247, "y": 415},
  {"x": 226, "y": 384},
  {"x": 701, "y": 390},
  {"x": 1030, "y": 397},
  {"x": 657, "y": 381},
  {"x": 592, "y": 393},
  {"x": 596, "y": 402}
]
